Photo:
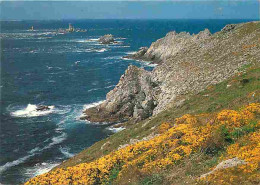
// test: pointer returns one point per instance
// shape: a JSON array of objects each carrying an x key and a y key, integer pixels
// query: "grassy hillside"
[
  {"x": 211, "y": 137},
  {"x": 163, "y": 149}
]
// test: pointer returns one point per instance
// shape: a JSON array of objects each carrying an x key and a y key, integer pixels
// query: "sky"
[{"x": 153, "y": 9}]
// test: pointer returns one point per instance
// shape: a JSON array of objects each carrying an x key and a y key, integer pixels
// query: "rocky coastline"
[{"x": 187, "y": 64}]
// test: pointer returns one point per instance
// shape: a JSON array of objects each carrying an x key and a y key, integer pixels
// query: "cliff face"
[
  {"x": 132, "y": 97},
  {"x": 168, "y": 46},
  {"x": 187, "y": 64}
]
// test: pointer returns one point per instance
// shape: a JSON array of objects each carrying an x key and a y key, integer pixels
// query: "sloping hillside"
[
  {"x": 209, "y": 136},
  {"x": 230, "y": 136}
]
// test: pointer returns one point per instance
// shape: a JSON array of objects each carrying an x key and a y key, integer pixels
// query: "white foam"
[
  {"x": 20, "y": 160},
  {"x": 93, "y": 104},
  {"x": 120, "y": 46},
  {"x": 31, "y": 111},
  {"x": 94, "y": 89},
  {"x": 50, "y": 67},
  {"x": 151, "y": 65},
  {"x": 56, "y": 140},
  {"x": 87, "y": 106},
  {"x": 126, "y": 58},
  {"x": 122, "y": 38},
  {"x": 62, "y": 109},
  {"x": 87, "y": 40},
  {"x": 93, "y": 39},
  {"x": 101, "y": 50},
  {"x": 115, "y": 129},
  {"x": 109, "y": 86},
  {"x": 14, "y": 163},
  {"x": 34, "y": 150},
  {"x": 114, "y": 57},
  {"x": 65, "y": 152},
  {"x": 131, "y": 52},
  {"x": 40, "y": 168}
]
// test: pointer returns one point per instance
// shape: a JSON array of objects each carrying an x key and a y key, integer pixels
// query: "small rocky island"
[
  {"x": 106, "y": 39},
  {"x": 42, "y": 108},
  {"x": 187, "y": 65}
]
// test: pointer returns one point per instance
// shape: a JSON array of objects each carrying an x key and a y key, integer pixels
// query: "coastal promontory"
[{"x": 187, "y": 64}]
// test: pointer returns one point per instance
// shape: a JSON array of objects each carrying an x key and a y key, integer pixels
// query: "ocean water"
[{"x": 68, "y": 72}]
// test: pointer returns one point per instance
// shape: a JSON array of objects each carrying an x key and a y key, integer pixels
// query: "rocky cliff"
[{"x": 187, "y": 65}]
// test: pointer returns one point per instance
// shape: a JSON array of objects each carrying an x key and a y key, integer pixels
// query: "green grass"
[
  {"x": 154, "y": 179},
  {"x": 113, "y": 175},
  {"x": 216, "y": 98}
]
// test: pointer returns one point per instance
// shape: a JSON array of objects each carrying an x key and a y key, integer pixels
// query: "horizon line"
[{"x": 253, "y": 19}]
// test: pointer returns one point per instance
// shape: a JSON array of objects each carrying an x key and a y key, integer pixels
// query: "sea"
[{"x": 68, "y": 72}]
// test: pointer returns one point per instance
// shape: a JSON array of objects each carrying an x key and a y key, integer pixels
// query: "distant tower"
[
  {"x": 32, "y": 28},
  {"x": 71, "y": 29}
]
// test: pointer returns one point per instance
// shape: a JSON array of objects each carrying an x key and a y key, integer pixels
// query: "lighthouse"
[{"x": 71, "y": 29}]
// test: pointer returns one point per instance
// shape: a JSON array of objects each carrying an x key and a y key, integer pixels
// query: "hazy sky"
[{"x": 36, "y": 10}]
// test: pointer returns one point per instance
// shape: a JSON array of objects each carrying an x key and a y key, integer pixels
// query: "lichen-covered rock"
[
  {"x": 171, "y": 44},
  {"x": 188, "y": 64},
  {"x": 225, "y": 164},
  {"x": 106, "y": 39},
  {"x": 228, "y": 28},
  {"x": 132, "y": 97}
]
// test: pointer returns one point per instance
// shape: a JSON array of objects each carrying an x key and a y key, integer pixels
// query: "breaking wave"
[
  {"x": 115, "y": 129},
  {"x": 15, "y": 163},
  {"x": 65, "y": 152},
  {"x": 55, "y": 140},
  {"x": 39, "y": 169},
  {"x": 31, "y": 111}
]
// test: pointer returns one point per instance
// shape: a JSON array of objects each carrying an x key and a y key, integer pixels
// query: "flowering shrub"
[
  {"x": 247, "y": 149},
  {"x": 188, "y": 134}
]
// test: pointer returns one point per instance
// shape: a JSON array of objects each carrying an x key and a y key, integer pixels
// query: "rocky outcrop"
[
  {"x": 225, "y": 164},
  {"x": 139, "y": 55},
  {"x": 132, "y": 97},
  {"x": 166, "y": 47},
  {"x": 107, "y": 39},
  {"x": 188, "y": 64},
  {"x": 42, "y": 108},
  {"x": 228, "y": 28}
]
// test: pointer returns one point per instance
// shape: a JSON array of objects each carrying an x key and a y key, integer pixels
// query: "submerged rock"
[
  {"x": 42, "y": 108},
  {"x": 107, "y": 39}
]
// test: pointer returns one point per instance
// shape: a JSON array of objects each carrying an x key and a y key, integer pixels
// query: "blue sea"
[{"x": 68, "y": 72}]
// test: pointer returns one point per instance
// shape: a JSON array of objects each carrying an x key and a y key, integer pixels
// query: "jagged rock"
[
  {"x": 106, "y": 39},
  {"x": 42, "y": 108},
  {"x": 132, "y": 97},
  {"x": 171, "y": 44},
  {"x": 139, "y": 54},
  {"x": 188, "y": 64},
  {"x": 229, "y": 27}
]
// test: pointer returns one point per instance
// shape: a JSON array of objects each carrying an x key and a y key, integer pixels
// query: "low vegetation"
[
  {"x": 234, "y": 133},
  {"x": 181, "y": 144}
]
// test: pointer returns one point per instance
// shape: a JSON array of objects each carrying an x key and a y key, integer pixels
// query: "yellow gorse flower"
[{"x": 174, "y": 143}]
